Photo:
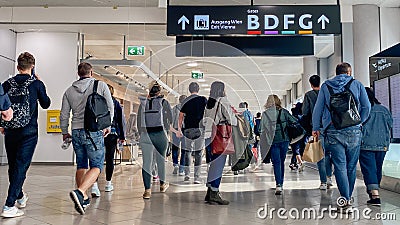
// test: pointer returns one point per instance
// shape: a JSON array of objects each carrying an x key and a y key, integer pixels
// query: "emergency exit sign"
[
  {"x": 135, "y": 50},
  {"x": 197, "y": 75}
]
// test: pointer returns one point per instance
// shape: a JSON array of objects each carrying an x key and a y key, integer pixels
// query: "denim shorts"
[{"x": 85, "y": 151}]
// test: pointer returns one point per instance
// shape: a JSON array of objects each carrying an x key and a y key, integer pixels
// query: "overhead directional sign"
[
  {"x": 135, "y": 50},
  {"x": 253, "y": 20}
]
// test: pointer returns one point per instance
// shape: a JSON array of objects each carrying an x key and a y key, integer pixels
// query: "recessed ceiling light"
[{"x": 192, "y": 64}]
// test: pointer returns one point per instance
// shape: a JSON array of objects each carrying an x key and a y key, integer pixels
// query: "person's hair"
[
  {"x": 217, "y": 90},
  {"x": 273, "y": 101},
  {"x": 243, "y": 105},
  {"x": 84, "y": 69},
  {"x": 315, "y": 80},
  {"x": 155, "y": 90},
  {"x": 182, "y": 98},
  {"x": 371, "y": 96},
  {"x": 194, "y": 87},
  {"x": 111, "y": 89},
  {"x": 258, "y": 115},
  {"x": 25, "y": 61},
  {"x": 343, "y": 68}
]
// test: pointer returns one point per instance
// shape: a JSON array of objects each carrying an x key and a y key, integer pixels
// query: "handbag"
[
  {"x": 295, "y": 131},
  {"x": 313, "y": 151},
  {"x": 222, "y": 142}
]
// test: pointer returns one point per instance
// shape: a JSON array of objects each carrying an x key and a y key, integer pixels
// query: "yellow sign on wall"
[{"x": 53, "y": 121}]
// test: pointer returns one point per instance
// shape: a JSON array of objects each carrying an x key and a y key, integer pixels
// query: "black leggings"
[{"x": 110, "y": 143}]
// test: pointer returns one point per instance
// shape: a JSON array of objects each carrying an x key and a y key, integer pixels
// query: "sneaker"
[
  {"x": 95, "y": 191},
  {"x": 86, "y": 203},
  {"x": 301, "y": 167},
  {"x": 21, "y": 203},
  {"x": 323, "y": 186},
  {"x": 374, "y": 202},
  {"x": 181, "y": 173},
  {"x": 278, "y": 190},
  {"x": 187, "y": 179},
  {"x": 216, "y": 199},
  {"x": 293, "y": 167},
  {"x": 197, "y": 181},
  {"x": 77, "y": 197},
  {"x": 108, "y": 187},
  {"x": 176, "y": 168},
  {"x": 235, "y": 173},
  {"x": 329, "y": 182},
  {"x": 11, "y": 212},
  {"x": 147, "y": 194},
  {"x": 156, "y": 179},
  {"x": 164, "y": 187}
]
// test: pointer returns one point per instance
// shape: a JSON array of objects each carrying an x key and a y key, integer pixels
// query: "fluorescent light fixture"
[
  {"x": 204, "y": 85},
  {"x": 201, "y": 80},
  {"x": 192, "y": 64},
  {"x": 207, "y": 89}
]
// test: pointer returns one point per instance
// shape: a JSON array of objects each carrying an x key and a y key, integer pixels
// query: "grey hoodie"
[{"x": 75, "y": 99}]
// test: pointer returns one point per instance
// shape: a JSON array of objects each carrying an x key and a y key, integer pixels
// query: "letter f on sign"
[{"x": 252, "y": 22}]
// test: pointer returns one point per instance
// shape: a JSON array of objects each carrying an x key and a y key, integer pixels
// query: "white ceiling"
[{"x": 249, "y": 79}]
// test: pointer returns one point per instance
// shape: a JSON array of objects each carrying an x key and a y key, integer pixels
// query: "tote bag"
[
  {"x": 222, "y": 143},
  {"x": 313, "y": 152}
]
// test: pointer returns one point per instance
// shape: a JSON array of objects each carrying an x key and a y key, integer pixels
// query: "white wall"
[
  {"x": 56, "y": 63},
  {"x": 7, "y": 55},
  {"x": 390, "y": 32}
]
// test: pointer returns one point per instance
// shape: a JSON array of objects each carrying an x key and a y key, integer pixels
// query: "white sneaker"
[
  {"x": 278, "y": 190},
  {"x": 181, "y": 174},
  {"x": 197, "y": 181},
  {"x": 301, "y": 167},
  {"x": 95, "y": 191},
  {"x": 329, "y": 182},
  {"x": 21, "y": 203},
  {"x": 109, "y": 187},
  {"x": 11, "y": 212},
  {"x": 176, "y": 168},
  {"x": 323, "y": 186}
]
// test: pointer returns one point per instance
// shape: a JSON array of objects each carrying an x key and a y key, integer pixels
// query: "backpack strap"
[
  {"x": 96, "y": 83},
  {"x": 347, "y": 86}
]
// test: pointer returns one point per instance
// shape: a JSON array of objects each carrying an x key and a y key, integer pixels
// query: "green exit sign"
[
  {"x": 135, "y": 50},
  {"x": 197, "y": 75}
]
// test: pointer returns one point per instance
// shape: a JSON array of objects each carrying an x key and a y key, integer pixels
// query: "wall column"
[{"x": 309, "y": 69}]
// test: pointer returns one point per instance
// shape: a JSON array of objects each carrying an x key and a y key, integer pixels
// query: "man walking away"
[
  {"x": 191, "y": 114},
  {"x": 325, "y": 164},
  {"x": 21, "y": 133},
  {"x": 177, "y": 143},
  {"x": 88, "y": 146},
  {"x": 342, "y": 132}
]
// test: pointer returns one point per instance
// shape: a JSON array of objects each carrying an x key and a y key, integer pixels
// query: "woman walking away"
[
  {"x": 218, "y": 110},
  {"x": 375, "y": 144},
  {"x": 274, "y": 122},
  {"x": 154, "y": 118}
]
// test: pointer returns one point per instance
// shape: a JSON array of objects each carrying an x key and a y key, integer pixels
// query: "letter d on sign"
[
  {"x": 262, "y": 212},
  {"x": 252, "y": 22},
  {"x": 267, "y": 19}
]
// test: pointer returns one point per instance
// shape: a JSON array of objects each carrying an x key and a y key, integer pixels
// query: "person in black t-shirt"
[{"x": 192, "y": 113}]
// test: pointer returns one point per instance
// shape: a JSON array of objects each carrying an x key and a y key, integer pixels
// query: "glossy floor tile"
[{"x": 251, "y": 195}]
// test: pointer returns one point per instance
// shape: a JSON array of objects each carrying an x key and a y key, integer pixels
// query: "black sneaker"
[
  {"x": 374, "y": 202},
  {"x": 77, "y": 197}
]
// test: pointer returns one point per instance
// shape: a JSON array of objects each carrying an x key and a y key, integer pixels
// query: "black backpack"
[
  {"x": 97, "y": 116},
  {"x": 343, "y": 108},
  {"x": 19, "y": 97}
]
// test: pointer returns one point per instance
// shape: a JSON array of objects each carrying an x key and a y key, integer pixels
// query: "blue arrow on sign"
[{"x": 183, "y": 20}]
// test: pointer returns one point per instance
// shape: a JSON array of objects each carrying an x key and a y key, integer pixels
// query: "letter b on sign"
[{"x": 252, "y": 22}]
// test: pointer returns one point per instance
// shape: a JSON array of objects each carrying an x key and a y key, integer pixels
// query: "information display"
[
  {"x": 395, "y": 104},
  {"x": 381, "y": 88}
]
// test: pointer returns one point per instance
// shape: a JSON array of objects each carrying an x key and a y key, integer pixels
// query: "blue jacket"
[
  {"x": 321, "y": 117},
  {"x": 376, "y": 130}
]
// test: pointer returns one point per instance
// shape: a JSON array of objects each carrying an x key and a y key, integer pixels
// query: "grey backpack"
[
  {"x": 19, "y": 97},
  {"x": 152, "y": 114}
]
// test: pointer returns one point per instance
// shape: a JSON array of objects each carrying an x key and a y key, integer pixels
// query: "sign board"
[
  {"x": 253, "y": 20},
  {"x": 135, "y": 50},
  {"x": 53, "y": 121},
  {"x": 197, "y": 75}
]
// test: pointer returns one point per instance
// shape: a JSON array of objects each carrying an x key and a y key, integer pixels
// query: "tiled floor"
[{"x": 49, "y": 203}]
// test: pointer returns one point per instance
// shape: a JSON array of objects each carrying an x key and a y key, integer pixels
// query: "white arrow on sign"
[
  {"x": 324, "y": 20},
  {"x": 132, "y": 51},
  {"x": 183, "y": 20}
]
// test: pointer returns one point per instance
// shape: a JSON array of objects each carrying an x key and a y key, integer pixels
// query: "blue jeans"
[
  {"x": 85, "y": 150},
  {"x": 344, "y": 146},
  {"x": 325, "y": 164},
  {"x": 278, "y": 156},
  {"x": 176, "y": 142},
  {"x": 153, "y": 144},
  {"x": 20, "y": 145},
  {"x": 371, "y": 167},
  {"x": 216, "y": 169}
]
